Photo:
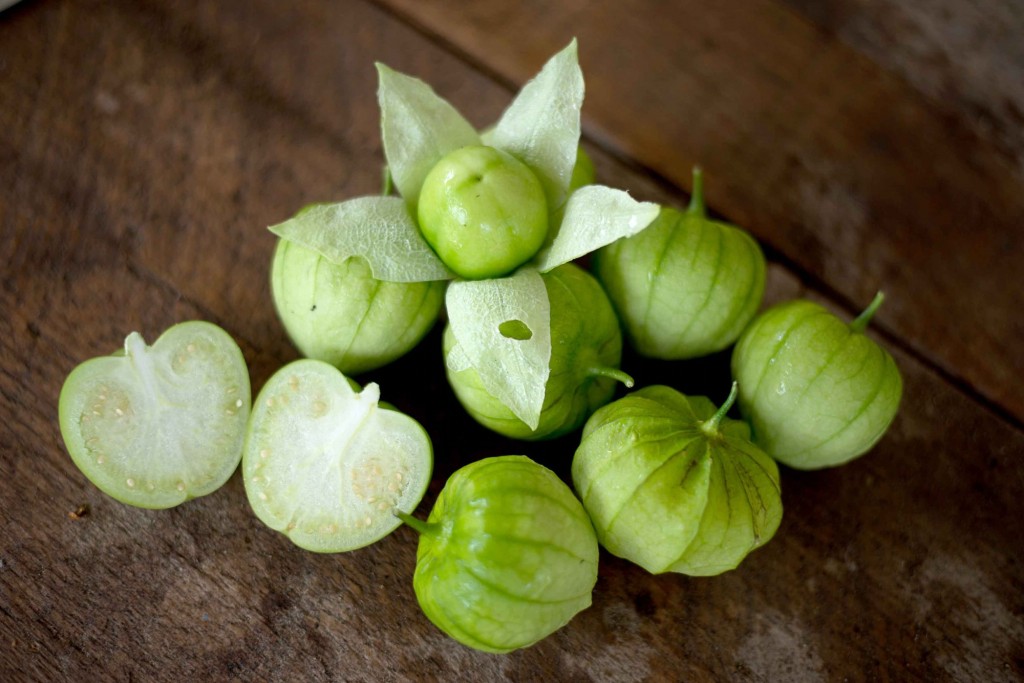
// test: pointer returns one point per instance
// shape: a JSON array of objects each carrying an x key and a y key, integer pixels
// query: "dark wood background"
[{"x": 868, "y": 144}]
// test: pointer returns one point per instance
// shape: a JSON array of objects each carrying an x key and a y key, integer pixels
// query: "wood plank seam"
[{"x": 808, "y": 279}]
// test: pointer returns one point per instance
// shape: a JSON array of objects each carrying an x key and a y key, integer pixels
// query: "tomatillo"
[
  {"x": 483, "y": 212},
  {"x": 342, "y": 315},
  {"x": 686, "y": 285},
  {"x": 586, "y": 348},
  {"x": 817, "y": 391},
  {"x": 328, "y": 464},
  {"x": 155, "y": 426},
  {"x": 507, "y": 556},
  {"x": 673, "y": 485}
]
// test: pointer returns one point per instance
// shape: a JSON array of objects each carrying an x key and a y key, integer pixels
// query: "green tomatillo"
[
  {"x": 586, "y": 348},
  {"x": 483, "y": 211},
  {"x": 507, "y": 556},
  {"x": 673, "y": 485},
  {"x": 817, "y": 391},
  {"x": 155, "y": 426},
  {"x": 583, "y": 172},
  {"x": 340, "y": 314},
  {"x": 328, "y": 464},
  {"x": 686, "y": 285}
]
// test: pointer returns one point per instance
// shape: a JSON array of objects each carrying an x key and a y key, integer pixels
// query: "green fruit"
[
  {"x": 582, "y": 175},
  {"x": 342, "y": 315},
  {"x": 673, "y": 485},
  {"x": 507, "y": 557},
  {"x": 583, "y": 172},
  {"x": 686, "y": 285},
  {"x": 326, "y": 464},
  {"x": 155, "y": 426},
  {"x": 817, "y": 391},
  {"x": 586, "y": 347},
  {"x": 483, "y": 211}
]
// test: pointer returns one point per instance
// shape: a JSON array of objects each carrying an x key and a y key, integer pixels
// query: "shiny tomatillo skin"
[
  {"x": 816, "y": 390},
  {"x": 673, "y": 485},
  {"x": 342, "y": 315},
  {"x": 586, "y": 348},
  {"x": 483, "y": 212},
  {"x": 507, "y": 556},
  {"x": 686, "y": 285}
]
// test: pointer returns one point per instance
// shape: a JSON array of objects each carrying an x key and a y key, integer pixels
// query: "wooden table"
[{"x": 145, "y": 145}]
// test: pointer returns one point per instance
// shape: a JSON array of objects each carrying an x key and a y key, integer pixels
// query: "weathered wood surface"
[
  {"x": 965, "y": 58},
  {"x": 855, "y": 177},
  {"x": 143, "y": 147}
]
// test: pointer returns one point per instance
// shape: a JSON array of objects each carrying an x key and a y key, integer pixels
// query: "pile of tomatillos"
[{"x": 487, "y": 225}]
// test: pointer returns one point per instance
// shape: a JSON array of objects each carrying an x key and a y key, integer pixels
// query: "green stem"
[
  {"x": 697, "y": 207},
  {"x": 418, "y": 524},
  {"x": 862, "y": 320},
  {"x": 613, "y": 373},
  {"x": 711, "y": 426},
  {"x": 386, "y": 182}
]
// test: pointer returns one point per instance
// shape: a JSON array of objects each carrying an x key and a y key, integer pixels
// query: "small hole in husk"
[{"x": 515, "y": 329}]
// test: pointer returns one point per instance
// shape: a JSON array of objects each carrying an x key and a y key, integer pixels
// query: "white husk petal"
[
  {"x": 595, "y": 216},
  {"x": 542, "y": 125},
  {"x": 379, "y": 229},
  {"x": 418, "y": 129},
  {"x": 514, "y": 371}
]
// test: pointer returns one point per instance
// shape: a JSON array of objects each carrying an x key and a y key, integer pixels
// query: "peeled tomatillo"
[
  {"x": 673, "y": 485},
  {"x": 817, "y": 391},
  {"x": 483, "y": 212}
]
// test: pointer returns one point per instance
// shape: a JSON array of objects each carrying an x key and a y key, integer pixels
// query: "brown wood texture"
[
  {"x": 966, "y": 58},
  {"x": 858, "y": 180},
  {"x": 145, "y": 145}
]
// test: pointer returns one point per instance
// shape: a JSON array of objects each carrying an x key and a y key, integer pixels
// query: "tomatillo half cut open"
[
  {"x": 326, "y": 464},
  {"x": 155, "y": 426}
]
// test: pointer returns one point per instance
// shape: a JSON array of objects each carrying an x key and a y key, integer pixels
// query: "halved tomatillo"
[
  {"x": 154, "y": 426},
  {"x": 326, "y": 464}
]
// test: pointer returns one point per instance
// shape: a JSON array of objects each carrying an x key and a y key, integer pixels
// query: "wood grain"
[
  {"x": 855, "y": 178},
  {"x": 965, "y": 58},
  {"x": 134, "y": 191}
]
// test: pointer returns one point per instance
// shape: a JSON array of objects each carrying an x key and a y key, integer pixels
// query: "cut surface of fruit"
[
  {"x": 327, "y": 465},
  {"x": 154, "y": 426}
]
